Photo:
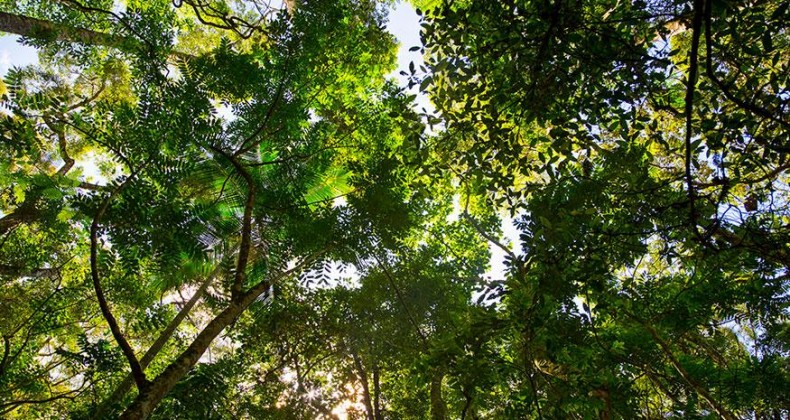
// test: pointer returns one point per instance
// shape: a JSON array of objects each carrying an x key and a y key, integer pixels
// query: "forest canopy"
[{"x": 229, "y": 209}]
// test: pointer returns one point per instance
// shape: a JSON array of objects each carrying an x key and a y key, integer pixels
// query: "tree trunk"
[
  {"x": 377, "y": 394},
  {"x": 468, "y": 410},
  {"x": 42, "y": 29},
  {"x": 696, "y": 386},
  {"x": 30, "y": 27},
  {"x": 363, "y": 377},
  {"x": 148, "y": 399},
  {"x": 27, "y": 212},
  {"x": 438, "y": 407},
  {"x": 125, "y": 385}
]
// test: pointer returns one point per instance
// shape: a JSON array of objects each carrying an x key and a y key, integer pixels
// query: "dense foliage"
[{"x": 224, "y": 209}]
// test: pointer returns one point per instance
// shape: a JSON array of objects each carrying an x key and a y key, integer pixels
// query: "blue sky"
[
  {"x": 404, "y": 24},
  {"x": 12, "y": 53}
]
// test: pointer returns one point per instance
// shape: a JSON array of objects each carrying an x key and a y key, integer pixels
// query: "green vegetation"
[{"x": 222, "y": 209}]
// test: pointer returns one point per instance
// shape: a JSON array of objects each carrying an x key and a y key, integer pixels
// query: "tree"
[
  {"x": 640, "y": 146},
  {"x": 196, "y": 191},
  {"x": 217, "y": 209}
]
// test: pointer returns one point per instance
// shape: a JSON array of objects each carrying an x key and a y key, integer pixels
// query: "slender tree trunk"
[
  {"x": 363, "y": 377},
  {"x": 438, "y": 407},
  {"x": 603, "y": 394},
  {"x": 467, "y": 410},
  {"x": 377, "y": 394},
  {"x": 696, "y": 386}
]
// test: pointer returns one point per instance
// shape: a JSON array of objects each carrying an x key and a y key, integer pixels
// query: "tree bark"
[
  {"x": 363, "y": 377},
  {"x": 696, "y": 386},
  {"x": 137, "y": 372},
  {"x": 26, "y": 213},
  {"x": 36, "y": 28},
  {"x": 148, "y": 399},
  {"x": 377, "y": 394},
  {"x": 31, "y": 27},
  {"x": 438, "y": 407},
  {"x": 125, "y": 385},
  {"x": 467, "y": 410}
]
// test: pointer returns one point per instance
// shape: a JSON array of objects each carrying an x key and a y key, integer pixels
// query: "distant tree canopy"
[{"x": 224, "y": 209}]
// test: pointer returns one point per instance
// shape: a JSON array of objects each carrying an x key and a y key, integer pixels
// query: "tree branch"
[
  {"x": 484, "y": 234},
  {"x": 244, "y": 148},
  {"x": 246, "y": 225},
  {"x": 137, "y": 370},
  {"x": 123, "y": 388},
  {"x": 30, "y": 27},
  {"x": 691, "y": 85},
  {"x": 753, "y": 108},
  {"x": 720, "y": 410},
  {"x": 6, "y": 352},
  {"x": 147, "y": 400},
  {"x": 363, "y": 377},
  {"x": 402, "y": 300},
  {"x": 42, "y": 29},
  {"x": 13, "y": 405}
]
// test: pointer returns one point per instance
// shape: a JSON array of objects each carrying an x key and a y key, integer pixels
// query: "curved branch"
[
  {"x": 225, "y": 21},
  {"x": 137, "y": 370},
  {"x": 115, "y": 16},
  {"x": 68, "y": 161},
  {"x": 13, "y": 405}
]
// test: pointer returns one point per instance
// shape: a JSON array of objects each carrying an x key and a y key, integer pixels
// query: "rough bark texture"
[{"x": 42, "y": 29}]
